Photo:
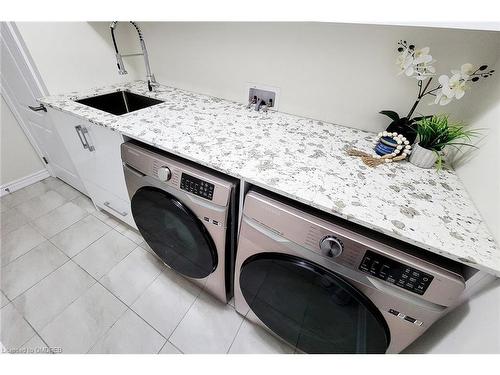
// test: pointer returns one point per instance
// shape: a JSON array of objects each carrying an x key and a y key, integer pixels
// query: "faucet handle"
[
  {"x": 121, "y": 66},
  {"x": 251, "y": 102},
  {"x": 259, "y": 105}
]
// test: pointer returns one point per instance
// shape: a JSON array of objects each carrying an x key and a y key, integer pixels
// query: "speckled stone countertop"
[{"x": 305, "y": 160}]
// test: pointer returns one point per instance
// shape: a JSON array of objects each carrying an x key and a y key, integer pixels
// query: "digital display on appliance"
[
  {"x": 396, "y": 273},
  {"x": 197, "y": 187}
]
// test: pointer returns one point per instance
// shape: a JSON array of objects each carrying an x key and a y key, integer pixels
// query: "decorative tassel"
[{"x": 372, "y": 161}]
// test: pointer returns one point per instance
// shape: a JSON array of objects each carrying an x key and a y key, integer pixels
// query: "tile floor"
[{"x": 75, "y": 280}]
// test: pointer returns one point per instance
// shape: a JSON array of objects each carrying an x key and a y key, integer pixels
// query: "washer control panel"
[
  {"x": 197, "y": 187},
  {"x": 396, "y": 273}
]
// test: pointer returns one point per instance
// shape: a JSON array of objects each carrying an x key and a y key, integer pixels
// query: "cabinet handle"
[
  {"x": 41, "y": 107},
  {"x": 123, "y": 213},
  {"x": 78, "y": 131},
  {"x": 89, "y": 146}
]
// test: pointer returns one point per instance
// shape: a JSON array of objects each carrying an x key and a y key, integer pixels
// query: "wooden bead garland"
[{"x": 400, "y": 152}]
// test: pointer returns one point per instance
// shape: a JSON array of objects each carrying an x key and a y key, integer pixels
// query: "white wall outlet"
[{"x": 264, "y": 92}]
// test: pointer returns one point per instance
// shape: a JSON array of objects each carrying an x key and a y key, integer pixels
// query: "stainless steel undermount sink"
[{"x": 119, "y": 102}]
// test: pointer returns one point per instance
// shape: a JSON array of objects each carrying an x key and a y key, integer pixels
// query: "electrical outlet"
[{"x": 268, "y": 94}]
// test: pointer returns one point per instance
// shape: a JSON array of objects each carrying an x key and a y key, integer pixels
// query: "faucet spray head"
[{"x": 121, "y": 66}]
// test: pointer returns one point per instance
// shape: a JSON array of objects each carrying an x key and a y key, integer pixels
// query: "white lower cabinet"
[
  {"x": 95, "y": 151},
  {"x": 109, "y": 202}
]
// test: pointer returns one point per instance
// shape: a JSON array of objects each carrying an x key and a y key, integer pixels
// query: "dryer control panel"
[
  {"x": 196, "y": 186},
  {"x": 396, "y": 273}
]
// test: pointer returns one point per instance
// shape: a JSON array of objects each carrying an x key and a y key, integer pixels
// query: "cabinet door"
[
  {"x": 96, "y": 153},
  {"x": 70, "y": 130},
  {"x": 106, "y": 169}
]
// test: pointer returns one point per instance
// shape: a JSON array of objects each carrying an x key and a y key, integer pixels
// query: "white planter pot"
[{"x": 422, "y": 157}]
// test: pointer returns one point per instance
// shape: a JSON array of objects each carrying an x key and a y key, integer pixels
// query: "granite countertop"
[{"x": 305, "y": 160}]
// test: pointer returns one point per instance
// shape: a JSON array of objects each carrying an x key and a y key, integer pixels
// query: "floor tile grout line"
[
  {"x": 38, "y": 196},
  {"x": 128, "y": 307},
  {"x": 13, "y": 260},
  {"x": 34, "y": 196},
  {"x": 128, "y": 228},
  {"x": 77, "y": 298},
  {"x": 45, "y": 239},
  {"x": 73, "y": 301},
  {"x": 32, "y": 221},
  {"x": 236, "y": 335},
  {"x": 20, "y": 213},
  {"x": 135, "y": 300},
  {"x": 145, "y": 321},
  {"x": 43, "y": 278},
  {"x": 184, "y": 316},
  {"x": 34, "y": 225},
  {"x": 8, "y": 299},
  {"x": 34, "y": 330},
  {"x": 110, "y": 229},
  {"x": 31, "y": 224},
  {"x": 63, "y": 310},
  {"x": 165, "y": 343},
  {"x": 98, "y": 281},
  {"x": 105, "y": 333},
  {"x": 121, "y": 260},
  {"x": 169, "y": 342}
]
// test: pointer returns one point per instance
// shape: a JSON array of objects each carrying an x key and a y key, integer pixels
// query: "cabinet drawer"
[{"x": 112, "y": 204}]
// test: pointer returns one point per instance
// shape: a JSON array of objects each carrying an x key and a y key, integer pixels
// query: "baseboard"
[{"x": 23, "y": 182}]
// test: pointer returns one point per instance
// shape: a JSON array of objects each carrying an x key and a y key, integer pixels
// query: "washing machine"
[
  {"x": 327, "y": 286},
  {"x": 186, "y": 213}
]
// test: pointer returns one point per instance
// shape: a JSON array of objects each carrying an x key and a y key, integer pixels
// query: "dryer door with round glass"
[
  {"x": 174, "y": 232},
  {"x": 311, "y": 307}
]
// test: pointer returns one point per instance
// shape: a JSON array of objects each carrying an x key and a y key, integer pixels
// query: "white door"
[{"x": 20, "y": 88}]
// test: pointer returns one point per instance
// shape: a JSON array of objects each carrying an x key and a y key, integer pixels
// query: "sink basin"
[{"x": 119, "y": 102}]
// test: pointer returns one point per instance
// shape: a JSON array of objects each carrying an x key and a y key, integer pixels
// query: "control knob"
[
  {"x": 331, "y": 246},
  {"x": 164, "y": 174}
]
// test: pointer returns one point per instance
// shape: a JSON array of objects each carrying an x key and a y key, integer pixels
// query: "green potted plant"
[{"x": 433, "y": 135}]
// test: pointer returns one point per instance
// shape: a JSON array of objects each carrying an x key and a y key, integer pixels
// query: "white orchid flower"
[
  {"x": 424, "y": 71},
  {"x": 422, "y": 56},
  {"x": 416, "y": 63},
  {"x": 456, "y": 87},
  {"x": 466, "y": 70},
  {"x": 441, "y": 99},
  {"x": 453, "y": 87},
  {"x": 405, "y": 62}
]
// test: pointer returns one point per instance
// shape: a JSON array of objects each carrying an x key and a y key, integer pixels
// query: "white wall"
[
  {"x": 18, "y": 159},
  {"x": 479, "y": 169},
  {"x": 472, "y": 328},
  {"x": 343, "y": 73},
  {"x": 73, "y": 56},
  {"x": 475, "y": 326}
]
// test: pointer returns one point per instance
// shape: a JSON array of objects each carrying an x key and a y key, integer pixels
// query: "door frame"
[{"x": 11, "y": 36}]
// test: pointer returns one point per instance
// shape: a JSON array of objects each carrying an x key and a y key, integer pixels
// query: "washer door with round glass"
[
  {"x": 174, "y": 232},
  {"x": 311, "y": 307}
]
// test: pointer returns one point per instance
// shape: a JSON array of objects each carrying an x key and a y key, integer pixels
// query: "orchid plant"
[{"x": 417, "y": 63}]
